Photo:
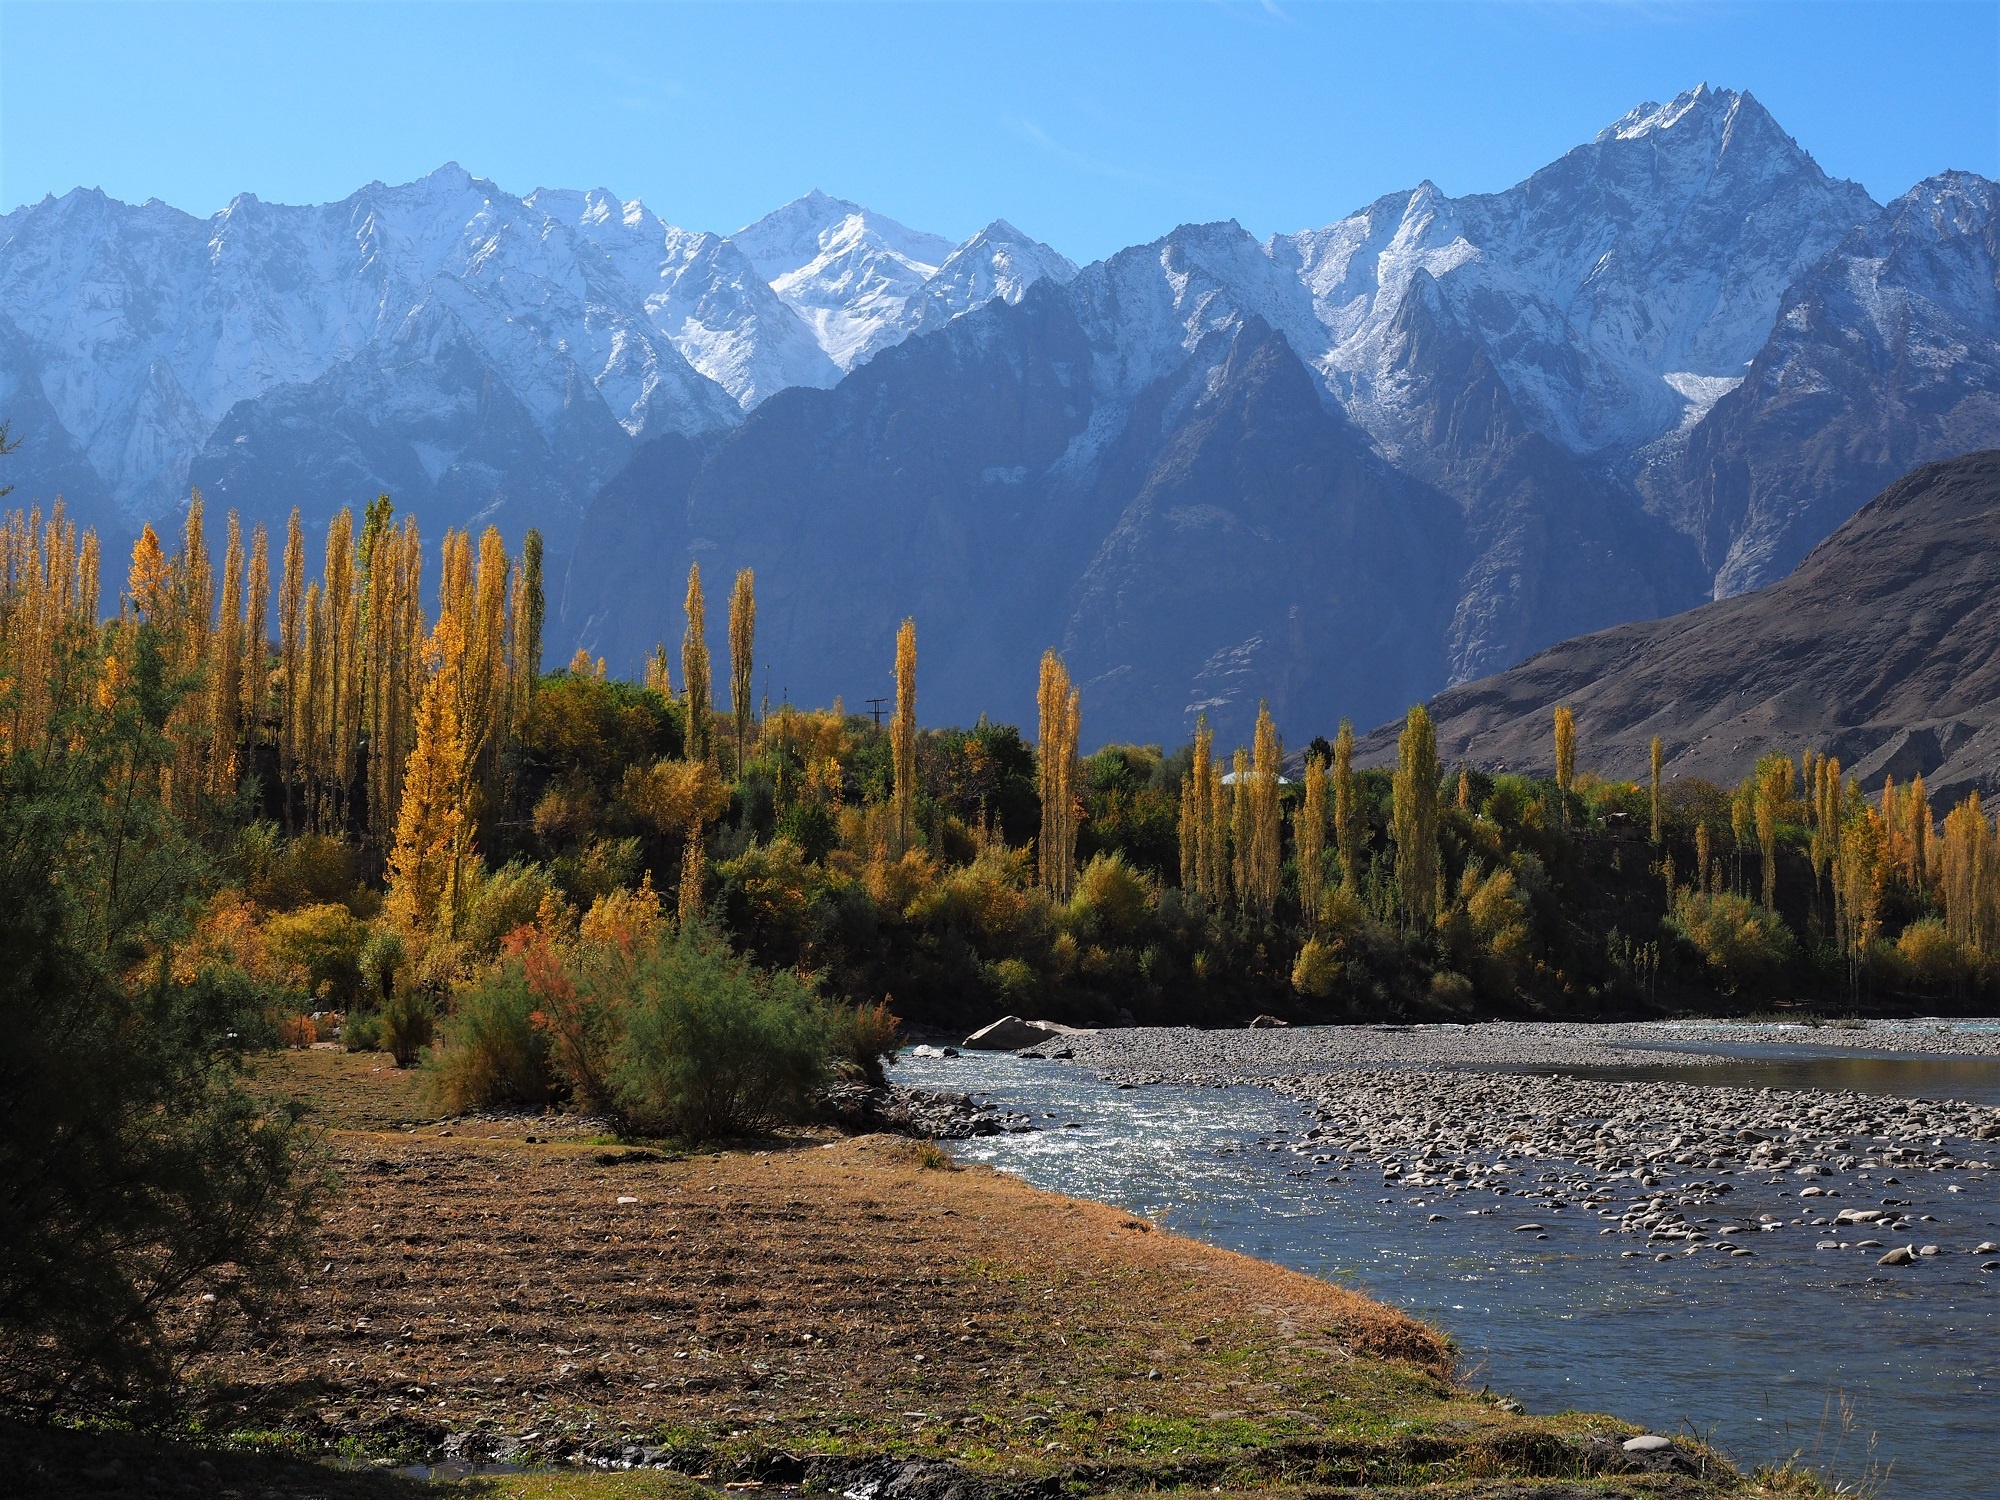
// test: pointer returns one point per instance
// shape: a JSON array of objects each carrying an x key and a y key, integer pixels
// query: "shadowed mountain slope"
[{"x": 1882, "y": 648}]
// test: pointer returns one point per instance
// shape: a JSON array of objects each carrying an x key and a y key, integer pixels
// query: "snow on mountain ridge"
[
  {"x": 144, "y": 325},
  {"x": 1662, "y": 246}
]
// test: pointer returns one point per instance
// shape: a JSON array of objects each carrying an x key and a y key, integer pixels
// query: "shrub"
[
  {"x": 1112, "y": 896},
  {"x": 864, "y": 1035},
  {"x": 407, "y": 1024},
  {"x": 383, "y": 957},
  {"x": 812, "y": 828},
  {"x": 504, "y": 901},
  {"x": 1930, "y": 960},
  {"x": 493, "y": 1055},
  {"x": 361, "y": 1033},
  {"x": 1742, "y": 941},
  {"x": 310, "y": 870},
  {"x": 321, "y": 947},
  {"x": 712, "y": 1046},
  {"x": 1317, "y": 970}
]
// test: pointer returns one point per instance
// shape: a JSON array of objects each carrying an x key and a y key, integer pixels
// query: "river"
[{"x": 1869, "y": 1375}]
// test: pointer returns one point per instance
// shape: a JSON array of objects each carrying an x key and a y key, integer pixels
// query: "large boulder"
[{"x": 1011, "y": 1034}]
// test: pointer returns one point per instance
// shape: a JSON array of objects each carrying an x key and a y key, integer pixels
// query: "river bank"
[{"x": 518, "y": 1293}]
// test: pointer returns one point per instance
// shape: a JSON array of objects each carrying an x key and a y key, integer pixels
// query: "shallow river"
[{"x": 1864, "y": 1373}]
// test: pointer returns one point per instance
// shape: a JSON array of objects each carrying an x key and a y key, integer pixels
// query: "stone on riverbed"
[
  {"x": 1011, "y": 1034},
  {"x": 1903, "y": 1255}
]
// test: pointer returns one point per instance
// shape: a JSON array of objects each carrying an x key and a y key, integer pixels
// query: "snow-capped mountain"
[
  {"x": 1619, "y": 291},
  {"x": 1884, "y": 356},
  {"x": 433, "y": 338}
]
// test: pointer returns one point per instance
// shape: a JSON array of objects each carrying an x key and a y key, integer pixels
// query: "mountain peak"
[{"x": 1652, "y": 118}]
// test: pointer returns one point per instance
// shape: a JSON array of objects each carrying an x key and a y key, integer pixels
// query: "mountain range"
[
  {"x": 1339, "y": 470},
  {"x": 1881, "y": 648}
]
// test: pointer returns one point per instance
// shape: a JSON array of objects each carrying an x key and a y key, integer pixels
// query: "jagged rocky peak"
[{"x": 1614, "y": 290}]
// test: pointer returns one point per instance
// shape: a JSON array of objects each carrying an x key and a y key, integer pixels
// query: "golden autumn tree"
[
  {"x": 1309, "y": 841},
  {"x": 1416, "y": 818},
  {"x": 225, "y": 684},
  {"x": 427, "y": 865},
  {"x": 1060, "y": 712},
  {"x": 1350, "y": 826},
  {"x": 1565, "y": 760},
  {"x": 293, "y": 734},
  {"x": 903, "y": 736},
  {"x": 1202, "y": 839},
  {"x": 695, "y": 681},
  {"x": 1265, "y": 862},
  {"x": 742, "y": 658},
  {"x": 1656, "y": 755}
]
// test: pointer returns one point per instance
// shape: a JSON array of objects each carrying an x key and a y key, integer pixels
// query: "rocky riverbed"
[{"x": 1447, "y": 1127}]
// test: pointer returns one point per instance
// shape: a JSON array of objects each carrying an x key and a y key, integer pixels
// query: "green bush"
[
  {"x": 493, "y": 1056},
  {"x": 863, "y": 1035},
  {"x": 359, "y": 1033},
  {"x": 407, "y": 1026},
  {"x": 322, "y": 946},
  {"x": 714, "y": 1047},
  {"x": 1742, "y": 941},
  {"x": 506, "y": 900}
]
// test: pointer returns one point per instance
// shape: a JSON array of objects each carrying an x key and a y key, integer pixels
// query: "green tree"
[{"x": 134, "y": 1171}]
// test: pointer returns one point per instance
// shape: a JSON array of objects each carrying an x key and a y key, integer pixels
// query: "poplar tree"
[
  {"x": 1772, "y": 796},
  {"x": 1309, "y": 839},
  {"x": 257, "y": 637},
  {"x": 694, "y": 862},
  {"x": 742, "y": 661},
  {"x": 1241, "y": 832},
  {"x": 1349, "y": 824},
  {"x": 530, "y": 614},
  {"x": 1657, "y": 755},
  {"x": 902, "y": 730},
  {"x": 1416, "y": 818},
  {"x": 291, "y": 663},
  {"x": 225, "y": 686},
  {"x": 1565, "y": 760},
  {"x": 658, "y": 679},
  {"x": 1267, "y": 759},
  {"x": 1200, "y": 835},
  {"x": 1060, "y": 712},
  {"x": 432, "y": 843},
  {"x": 694, "y": 670}
]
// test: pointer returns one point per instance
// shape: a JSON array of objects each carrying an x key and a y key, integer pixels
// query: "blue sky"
[{"x": 1090, "y": 126}]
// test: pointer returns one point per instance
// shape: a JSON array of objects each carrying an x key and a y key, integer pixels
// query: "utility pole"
[{"x": 875, "y": 708}]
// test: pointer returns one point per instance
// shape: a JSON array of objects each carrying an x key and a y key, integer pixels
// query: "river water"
[{"x": 1867, "y": 1375}]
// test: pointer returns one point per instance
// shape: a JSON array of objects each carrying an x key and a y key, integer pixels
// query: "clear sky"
[{"x": 1090, "y": 126}]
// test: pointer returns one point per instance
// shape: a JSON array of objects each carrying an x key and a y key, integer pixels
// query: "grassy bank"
[{"x": 765, "y": 1316}]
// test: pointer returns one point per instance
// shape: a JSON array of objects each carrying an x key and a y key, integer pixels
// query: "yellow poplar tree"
[
  {"x": 1349, "y": 822},
  {"x": 1060, "y": 710},
  {"x": 1309, "y": 838},
  {"x": 1657, "y": 755},
  {"x": 695, "y": 682},
  {"x": 903, "y": 736},
  {"x": 432, "y": 836},
  {"x": 742, "y": 658},
  {"x": 1416, "y": 818},
  {"x": 292, "y": 698},
  {"x": 1267, "y": 760},
  {"x": 1565, "y": 760}
]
